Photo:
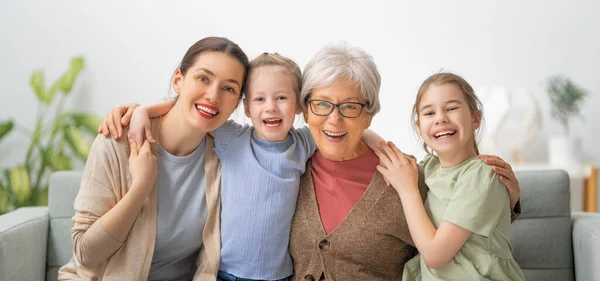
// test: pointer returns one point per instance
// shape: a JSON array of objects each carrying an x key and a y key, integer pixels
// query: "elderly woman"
[{"x": 348, "y": 225}]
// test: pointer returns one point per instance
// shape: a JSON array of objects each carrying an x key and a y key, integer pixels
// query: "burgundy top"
[{"x": 340, "y": 184}]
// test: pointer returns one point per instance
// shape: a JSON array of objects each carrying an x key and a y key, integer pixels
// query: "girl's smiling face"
[{"x": 446, "y": 124}]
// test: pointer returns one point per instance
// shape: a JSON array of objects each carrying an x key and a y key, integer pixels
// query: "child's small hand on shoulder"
[
  {"x": 140, "y": 127},
  {"x": 398, "y": 169}
]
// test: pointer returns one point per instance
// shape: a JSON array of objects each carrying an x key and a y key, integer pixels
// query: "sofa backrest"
[
  {"x": 63, "y": 189},
  {"x": 541, "y": 237}
]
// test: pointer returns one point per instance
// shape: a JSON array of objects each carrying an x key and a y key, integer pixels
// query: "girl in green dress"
[{"x": 462, "y": 231}]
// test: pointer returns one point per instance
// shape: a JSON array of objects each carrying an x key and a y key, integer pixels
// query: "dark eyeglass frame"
[{"x": 339, "y": 107}]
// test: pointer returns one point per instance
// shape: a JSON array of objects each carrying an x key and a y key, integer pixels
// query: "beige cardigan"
[{"x": 106, "y": 179}]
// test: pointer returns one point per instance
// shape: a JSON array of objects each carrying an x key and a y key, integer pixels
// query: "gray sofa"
[{"x": 549, "y": 242}]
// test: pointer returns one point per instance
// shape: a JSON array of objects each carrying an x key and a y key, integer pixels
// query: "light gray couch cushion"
[
  {"x": 64, "y": 187},
  {"x": 586, "y": 242},
  {"x": 23, "y": 235},
  {"x": 541, "y": 237}
]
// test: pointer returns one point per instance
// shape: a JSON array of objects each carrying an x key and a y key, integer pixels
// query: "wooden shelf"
[{"x": 590, "y": 191}]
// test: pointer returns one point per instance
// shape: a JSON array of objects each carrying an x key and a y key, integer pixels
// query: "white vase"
[{"x": 563, "y": 152}]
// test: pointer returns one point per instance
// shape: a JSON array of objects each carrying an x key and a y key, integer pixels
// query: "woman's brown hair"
[{"x": 215, "y": 44}]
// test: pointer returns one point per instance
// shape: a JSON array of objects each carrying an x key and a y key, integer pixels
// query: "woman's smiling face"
[
  {"x": 337, "y": 137},
  {"x": 209, "y": 92}
]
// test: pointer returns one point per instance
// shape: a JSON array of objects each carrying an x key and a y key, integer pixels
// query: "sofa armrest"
[
  {"x": 23, "y": 239},
  {"x": 586, "y": 245}
]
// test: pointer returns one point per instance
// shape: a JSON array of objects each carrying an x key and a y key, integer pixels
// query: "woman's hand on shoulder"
[
  {"x": 143, "y": 165},
  {"x": 116, "y": 118},
  {"x": 398, "y": 169},
  {"x": 506, "y": 176}
]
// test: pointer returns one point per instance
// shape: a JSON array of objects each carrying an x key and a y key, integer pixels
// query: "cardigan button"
[
  {"x": 324, "y": 245},
  {"x": 309, "y": 278}
]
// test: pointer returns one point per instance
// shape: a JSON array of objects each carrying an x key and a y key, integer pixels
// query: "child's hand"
[
  {"x": 140, "y": 127},
  {"x": 401, "y": 171},
  {"x": 116, "y": 118}
]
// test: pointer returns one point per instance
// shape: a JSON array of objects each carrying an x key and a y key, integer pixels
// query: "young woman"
[{"x": 134, "y": 223}]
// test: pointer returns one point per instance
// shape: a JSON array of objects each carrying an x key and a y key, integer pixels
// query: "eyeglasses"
[{"x": 346, "y": 109}]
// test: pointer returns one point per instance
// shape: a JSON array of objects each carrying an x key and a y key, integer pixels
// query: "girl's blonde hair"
[
  {"x": 444, "y": 78},
  {"x": 275, "y": 59}
]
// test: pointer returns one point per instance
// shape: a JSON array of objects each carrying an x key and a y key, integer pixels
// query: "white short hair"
[{"x": 338, "y": 62}]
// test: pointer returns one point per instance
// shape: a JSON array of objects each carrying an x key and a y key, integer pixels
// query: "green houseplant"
[
  {"x": 566, "y": 99},
  {"x": 58, "y": 139}
]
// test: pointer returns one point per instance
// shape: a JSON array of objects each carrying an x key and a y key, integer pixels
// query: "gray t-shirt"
[{"x": 182, "y": 213}]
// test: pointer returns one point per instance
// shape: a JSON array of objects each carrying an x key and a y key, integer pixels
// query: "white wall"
[{"x": 132, "y": 47}]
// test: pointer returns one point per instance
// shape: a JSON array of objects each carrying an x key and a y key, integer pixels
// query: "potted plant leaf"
[
  {"x": 566, "y": 99},
  {"x": 59, "y": 138}
]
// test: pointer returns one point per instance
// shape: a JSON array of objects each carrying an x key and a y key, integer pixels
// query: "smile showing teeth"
[
  {"x": 332, "y": 134},
  {"x": 207, "y": 110},
  {"x": 272, "y": 122},
  {"x": 445, "y": 134}
]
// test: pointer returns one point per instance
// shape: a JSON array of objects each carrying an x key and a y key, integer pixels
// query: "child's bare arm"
[
  {"x": 372, "y": 139},
  {"x": 159, "y": 108},
  {"x": 138, "y": 117},
  {"x": 437, "y": 247},
  {"x": 140, "y": 121}
]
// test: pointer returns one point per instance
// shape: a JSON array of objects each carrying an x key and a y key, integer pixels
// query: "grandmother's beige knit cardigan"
[{"x": 106, "y": 179}]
